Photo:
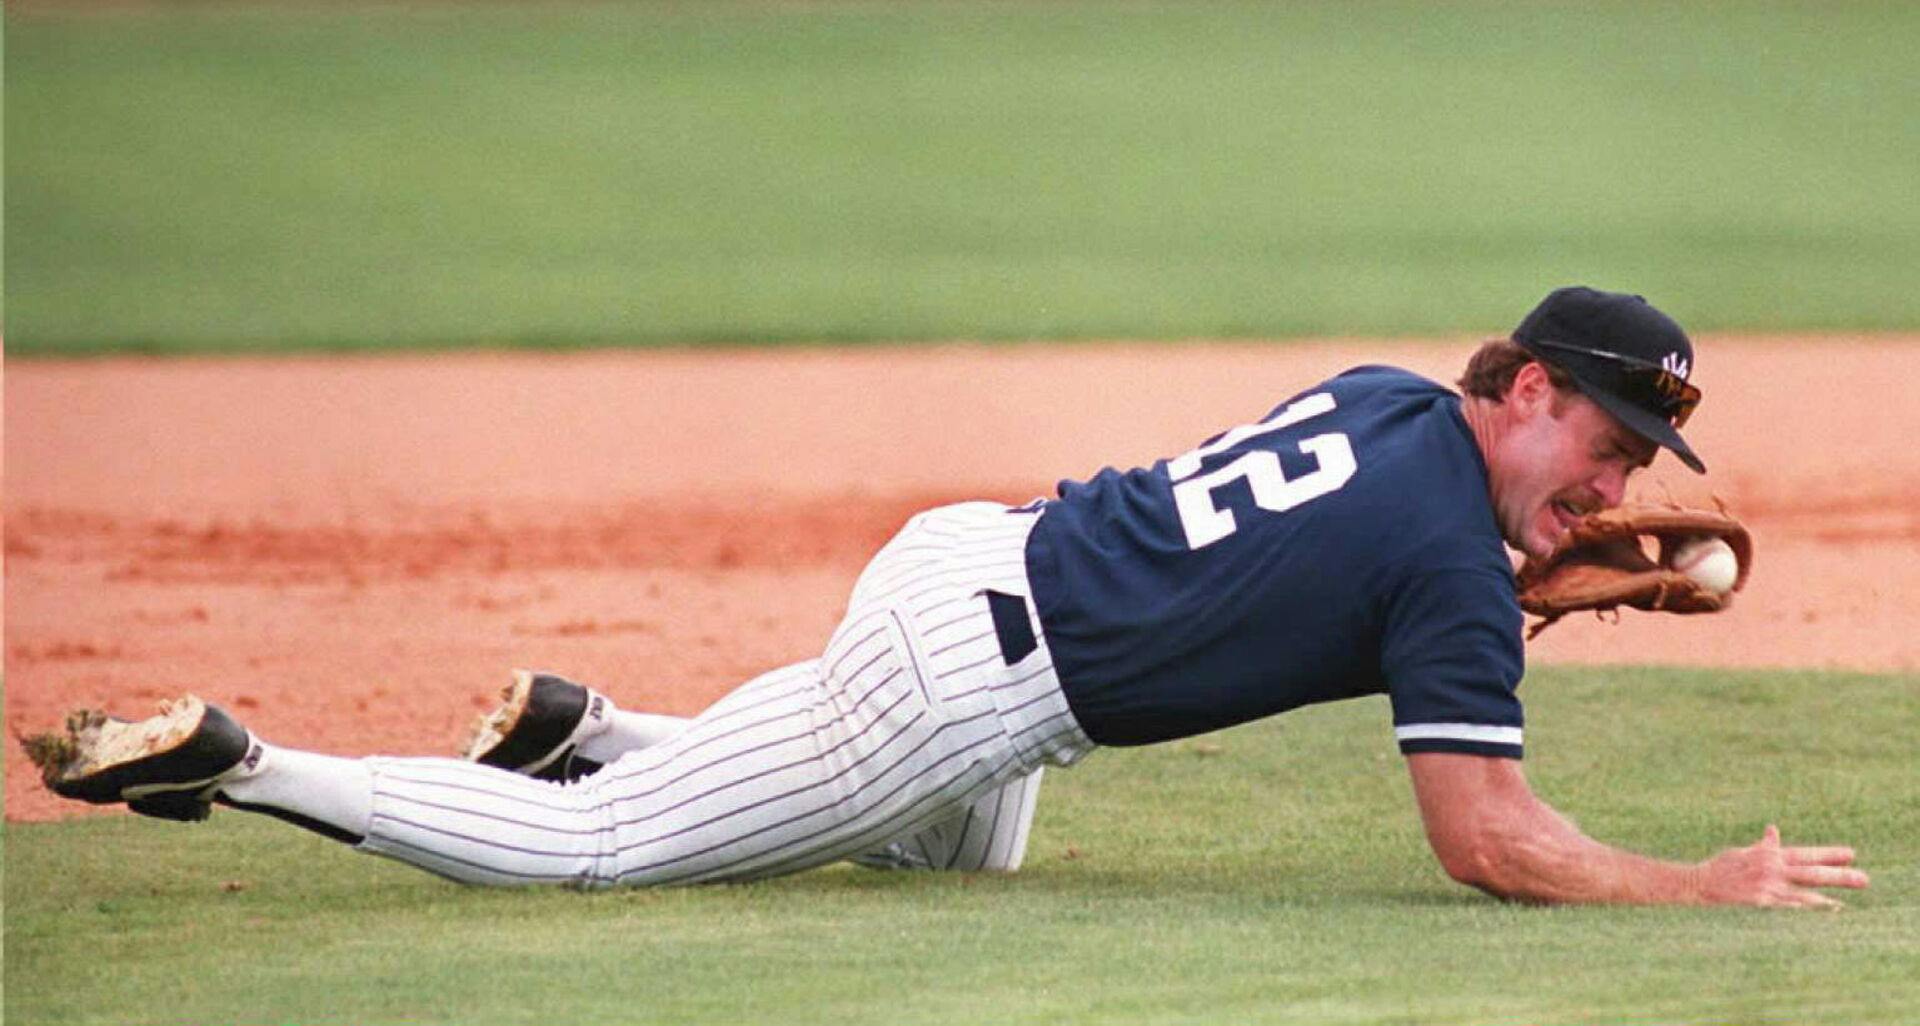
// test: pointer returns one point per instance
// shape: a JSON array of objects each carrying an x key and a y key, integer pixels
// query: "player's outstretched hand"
[{"x": 1770, "y": 874}]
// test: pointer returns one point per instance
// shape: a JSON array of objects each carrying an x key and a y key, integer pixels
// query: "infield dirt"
[{"x": 352, "y": 552}]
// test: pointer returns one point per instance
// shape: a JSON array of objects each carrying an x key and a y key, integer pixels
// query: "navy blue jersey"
[{"x": 1345, "y": 545}]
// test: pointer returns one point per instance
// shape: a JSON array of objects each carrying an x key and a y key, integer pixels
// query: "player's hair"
[{"x": 1492, "y": 367}]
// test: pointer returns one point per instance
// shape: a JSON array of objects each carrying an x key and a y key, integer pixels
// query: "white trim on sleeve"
[{"x": 1458, "y": 732}]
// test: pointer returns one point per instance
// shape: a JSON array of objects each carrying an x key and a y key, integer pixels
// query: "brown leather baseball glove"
[{"x": 1601, "y": 564}]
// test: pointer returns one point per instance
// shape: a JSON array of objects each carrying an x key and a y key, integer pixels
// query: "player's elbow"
[
  {"x": 1469, "y": 861},
  {"x": 1486, "y": 828},
  {"x": 1486, "y": 860}
]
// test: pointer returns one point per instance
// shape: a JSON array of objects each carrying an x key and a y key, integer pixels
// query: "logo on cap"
[{"x": 1673, "y": 376}]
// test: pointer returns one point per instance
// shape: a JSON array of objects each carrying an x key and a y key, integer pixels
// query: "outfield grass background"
[
  {"x": 216, "y": 177},
  {"x": 1273, "y": 873}
]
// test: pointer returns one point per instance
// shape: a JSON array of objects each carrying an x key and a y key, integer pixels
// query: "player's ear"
[{"x": 1531, "y": 392}]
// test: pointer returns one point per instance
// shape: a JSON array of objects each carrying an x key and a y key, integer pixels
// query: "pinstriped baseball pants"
[{"x": 910, "y": 717}]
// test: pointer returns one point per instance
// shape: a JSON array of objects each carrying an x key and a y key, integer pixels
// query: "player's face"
[{"x": 1564, "y": 457}]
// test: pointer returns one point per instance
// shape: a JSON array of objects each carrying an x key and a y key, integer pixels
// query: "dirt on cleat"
[
  {"x": 49, "y": 753},
  {"x": 489, "y": 729},
  {"x": 93, "y": 739}
]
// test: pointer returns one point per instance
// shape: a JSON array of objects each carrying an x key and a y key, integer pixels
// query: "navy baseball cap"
[{"x": 1629, "y": 358}]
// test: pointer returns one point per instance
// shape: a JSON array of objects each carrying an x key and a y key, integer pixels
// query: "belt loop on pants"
[{"x": 1013, "y": 626}]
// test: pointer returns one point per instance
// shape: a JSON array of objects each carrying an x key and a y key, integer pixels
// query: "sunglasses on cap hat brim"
[{"x": 1641, "y": 382}]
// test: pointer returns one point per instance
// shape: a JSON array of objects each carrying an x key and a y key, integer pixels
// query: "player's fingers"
[
  {"x": 1836, "y": 855},
  {"x": 1826, "y": 876},
  {"x": 1814, "y": 899},
  {"x": 1770, "y": 837}
]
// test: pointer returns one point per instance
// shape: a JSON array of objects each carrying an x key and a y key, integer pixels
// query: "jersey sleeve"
[{"x": 1452, "y": 660}]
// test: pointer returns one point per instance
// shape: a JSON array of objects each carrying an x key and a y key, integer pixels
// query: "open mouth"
[{"x": 1566, "y": 514}]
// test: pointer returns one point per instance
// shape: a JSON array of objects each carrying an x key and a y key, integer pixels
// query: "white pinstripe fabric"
[
  {"x": 908, "y": 719},
  {"x": 990, "y": 835}
]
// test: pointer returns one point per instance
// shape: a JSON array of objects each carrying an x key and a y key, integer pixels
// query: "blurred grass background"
[
  {"x": 249, "y": 177},
  {"x": 1271, "y": 873}
]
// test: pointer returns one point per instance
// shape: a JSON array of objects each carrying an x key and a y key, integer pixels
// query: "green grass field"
[
  {"x": 219, "y": 177},
  {"x": 1275, "y": 873}
]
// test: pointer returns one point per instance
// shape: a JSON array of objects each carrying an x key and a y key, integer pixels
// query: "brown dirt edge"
[{"x": 351, "y": 552}]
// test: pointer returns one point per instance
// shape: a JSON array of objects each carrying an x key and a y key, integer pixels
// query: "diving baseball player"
[{"x": 1349, "y": 543}]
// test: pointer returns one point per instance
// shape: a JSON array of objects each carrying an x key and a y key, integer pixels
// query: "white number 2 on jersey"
[{"x": 1206, "y": 523}]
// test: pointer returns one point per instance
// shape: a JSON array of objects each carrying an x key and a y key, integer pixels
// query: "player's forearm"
[
  {"x": 1586, "y": 872},
  {"x": 1491, "y": 832},
  {"x": 1545, "y": 858}
]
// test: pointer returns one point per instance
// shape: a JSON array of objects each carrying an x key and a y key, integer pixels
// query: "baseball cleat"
[
  {"x": 892, "y": 857},
  {"x": 538, "y": 728},
  {"x": 167, "y": 766}
]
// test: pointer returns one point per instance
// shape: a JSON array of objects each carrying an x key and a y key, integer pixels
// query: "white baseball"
[{"x": 1708, "y": 562}]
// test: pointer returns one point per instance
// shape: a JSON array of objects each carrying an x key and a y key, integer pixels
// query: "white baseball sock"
[
  {"x": 324, "y": 793},
  {"x": 630, "y": 732}
]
